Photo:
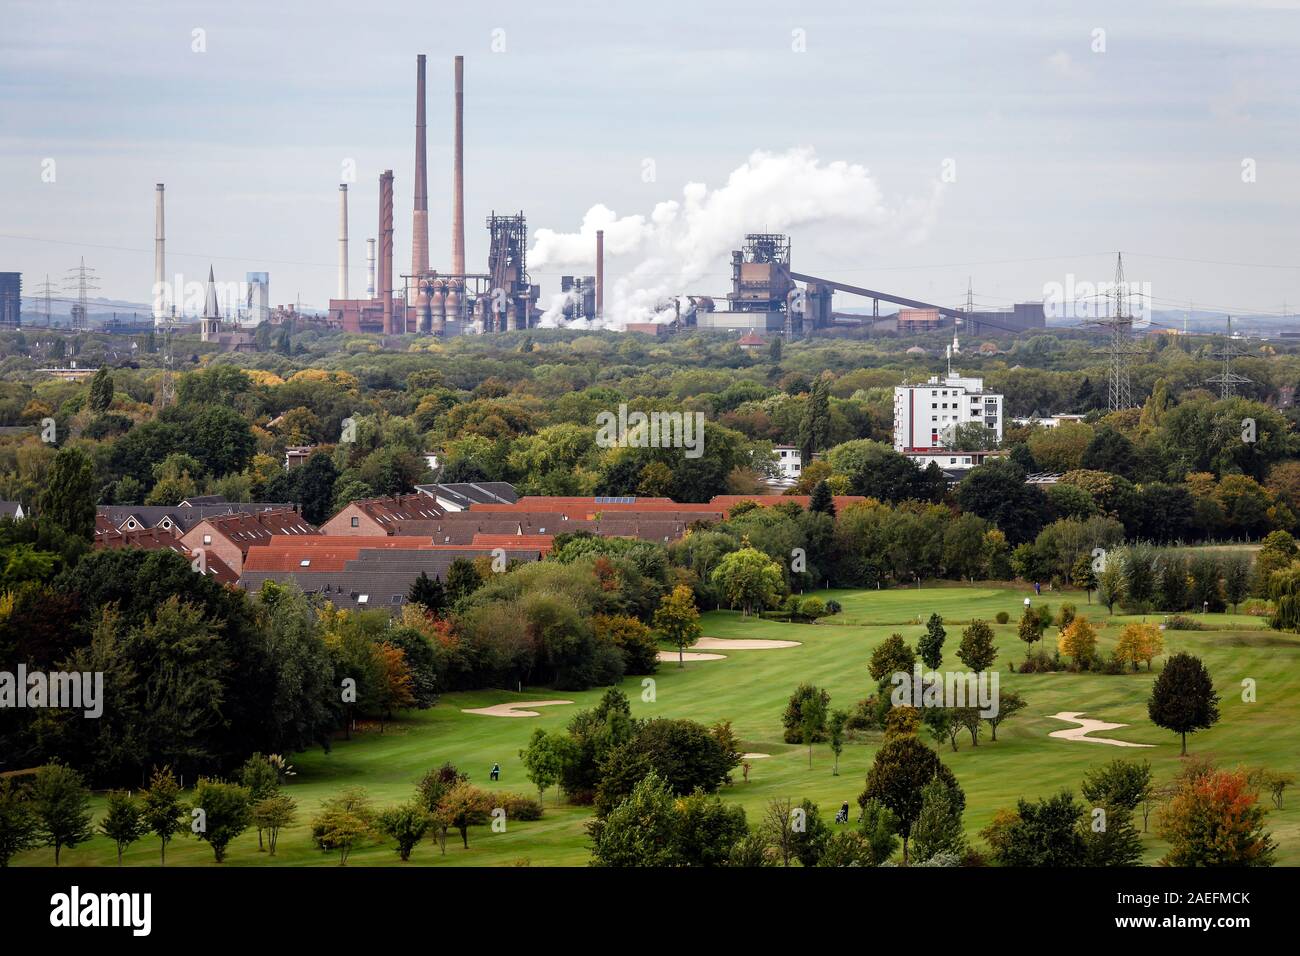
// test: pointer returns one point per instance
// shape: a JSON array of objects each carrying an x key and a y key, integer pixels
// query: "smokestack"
[
  {"x": 458, "y": 195},
  {"x": 343, "y": 240},
  {"x": 420, "y": 218},
  {"x": 370, "y": 268},
  {"x": 386, "y": 247},
  {"x": 159, "y": 260},
  {"x": 600, "y": 273}
]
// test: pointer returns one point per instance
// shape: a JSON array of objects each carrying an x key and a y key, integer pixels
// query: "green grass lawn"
[{"x": 750, "y": 688}]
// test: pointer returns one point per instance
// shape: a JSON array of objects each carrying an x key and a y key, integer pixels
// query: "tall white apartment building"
[{"x": 925, "y": 415}]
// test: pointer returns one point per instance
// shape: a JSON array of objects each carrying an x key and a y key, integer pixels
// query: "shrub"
[
  {"x": 868, "y": 714},
  {"x": 637, "y": 643},
  {"x": 517, "y": 806},
  {"x": 1066, "y": 616},
  {"x": 1107, "y": 665},
  {"x": 812, "y": 608},
  {"x": 1181, "y": 622},
  {"x": 1002, "y": 617},
  {"x": 1040, "y": 662},
  {"x": 833, "y": 607}
]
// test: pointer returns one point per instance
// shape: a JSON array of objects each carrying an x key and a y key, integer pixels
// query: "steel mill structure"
[{"x": 426, "y": 300}]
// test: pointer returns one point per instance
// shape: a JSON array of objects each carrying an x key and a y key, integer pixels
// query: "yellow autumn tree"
[
  {"x": 1139, "y": 642},
  {"x": 1078, "y": 641}
]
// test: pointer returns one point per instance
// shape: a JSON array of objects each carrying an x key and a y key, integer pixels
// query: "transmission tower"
[
  {"x": 80, "y": 280},
  {"x": 1228, "y": 380},
  {"x": 46, "y": 290},
  {"x": 1120, "y": 348}
]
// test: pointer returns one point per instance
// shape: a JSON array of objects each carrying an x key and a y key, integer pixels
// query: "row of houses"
[{"x": 372, "y": 550}]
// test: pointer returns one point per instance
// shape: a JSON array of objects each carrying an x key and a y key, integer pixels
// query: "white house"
[{"x": 789, "y": 461}]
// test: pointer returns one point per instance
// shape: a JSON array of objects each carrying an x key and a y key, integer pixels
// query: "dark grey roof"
[
  {"x": 383, "y": 575},
  {"x": 186, "y": 515},
  {"x": 9, "y": 508},
  {"x": 462, "y": 494}
]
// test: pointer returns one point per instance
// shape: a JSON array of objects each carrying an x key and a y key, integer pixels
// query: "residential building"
[
  {"x": 180, "y": 517},
  {"x": 296, "y": 455},
  {"x": 925, "y": 416},
  {"x": 157, "y": 539},
  {"x": 458, "y": 496},
  {"x": 229, "y": 537},
  {"x": 789, "y": 462},
  {"x": 376, "y": 516},
  {"x": 374, "y": 571}
]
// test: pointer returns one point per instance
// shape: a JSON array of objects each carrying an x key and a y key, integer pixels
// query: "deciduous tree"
[
  {"x": 678, "y": 620},
  {"x": 61, "y": 804},
  {"x": 123, "y": 821},
  {"x": 1183, "y": 698}
]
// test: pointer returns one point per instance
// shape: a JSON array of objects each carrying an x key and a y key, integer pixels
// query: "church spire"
[{"x": 210, "y": 305}]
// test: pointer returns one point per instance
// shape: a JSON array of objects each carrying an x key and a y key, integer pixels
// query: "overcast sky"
[{"x": 1067, "y": 143}]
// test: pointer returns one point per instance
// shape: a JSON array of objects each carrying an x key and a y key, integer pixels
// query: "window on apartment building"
[
  {"x": 207, "y": 539},
  {"x": 356, "y": 522},
  {"x": 363, "y": 598},
  {"x": 397, "y": 599},
  {"x": 305, "y": 563}
]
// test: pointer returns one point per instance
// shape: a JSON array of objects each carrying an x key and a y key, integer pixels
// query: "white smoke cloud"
[
  {"x": 553, "y": 317},
  {"x": 681, "y": 241}
]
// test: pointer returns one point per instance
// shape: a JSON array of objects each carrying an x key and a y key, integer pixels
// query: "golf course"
[{"x": 750, "y": 688}]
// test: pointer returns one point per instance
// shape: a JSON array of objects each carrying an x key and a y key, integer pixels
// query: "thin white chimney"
[
  {"x": 159, "y": 260},
  {"x": 343, "y": 240},
  {"x": 370, "y": 268}
]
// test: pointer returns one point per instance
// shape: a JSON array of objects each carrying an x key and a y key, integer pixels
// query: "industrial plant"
[
  {"x": 767, "y": 296},
  {"x": 431, "y": 301}
]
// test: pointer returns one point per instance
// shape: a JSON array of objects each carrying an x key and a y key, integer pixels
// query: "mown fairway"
[{"x": 750, "y": 688}]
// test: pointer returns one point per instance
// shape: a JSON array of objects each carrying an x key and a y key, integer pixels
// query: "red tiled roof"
[
  {"x": 540, "y": 542},
  {"x": 245, "y": 530},
  {"x": 157, "y": 539}
]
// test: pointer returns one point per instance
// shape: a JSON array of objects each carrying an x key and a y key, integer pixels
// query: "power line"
[
  {"x": 82, "y": 279},
  {"x": 1227, "y": 380},
  {"x": 1120, "y": 327}
]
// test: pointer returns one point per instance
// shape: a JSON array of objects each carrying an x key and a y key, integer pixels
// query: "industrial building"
[
  {"x": 257, "y": 304},
  {"x": 1019, "y": 318},
  {"x": 430, "y": 301},
  {"x": 11, "y": 299},
  {"x": 763, "y": 296},
  {"x": 767, "y": 297}
]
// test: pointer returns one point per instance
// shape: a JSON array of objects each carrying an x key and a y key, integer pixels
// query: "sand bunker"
[
  {"x": 515, "y": 709},
  {"x": 689, "y": 656},
  {"x": 717, "y": 644},
  {"x": 1087, "y": 726},
  {"x": 753, "y": 756}
]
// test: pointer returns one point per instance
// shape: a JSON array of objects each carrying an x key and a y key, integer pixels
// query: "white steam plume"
[{"x": 668, "y": 252}]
